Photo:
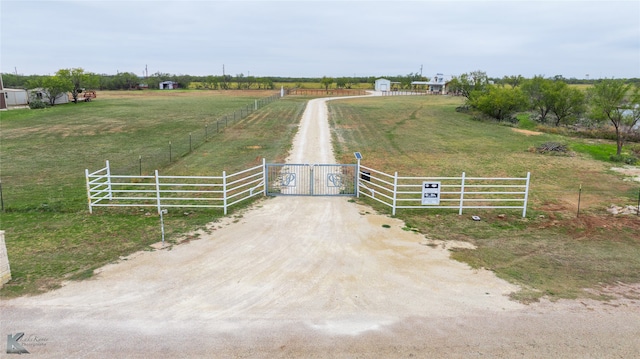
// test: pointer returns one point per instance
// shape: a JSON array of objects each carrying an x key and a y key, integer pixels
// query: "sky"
[{"x": 574, "y": 39}]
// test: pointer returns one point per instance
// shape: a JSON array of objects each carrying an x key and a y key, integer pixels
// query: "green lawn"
[
  {"x": 551, "y": 252},
  {"x": 49, "y": 233}
]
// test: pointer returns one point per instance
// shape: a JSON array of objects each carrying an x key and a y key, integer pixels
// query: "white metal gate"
[{"x": 311, "y": 179}]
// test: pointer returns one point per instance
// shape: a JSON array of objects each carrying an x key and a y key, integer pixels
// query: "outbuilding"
[
  {"x": 15, "y": 97},
  {"x": 168, "y": 85},
  {"x": 382, "y": 85},
  {"x": 41, "y": 94}
]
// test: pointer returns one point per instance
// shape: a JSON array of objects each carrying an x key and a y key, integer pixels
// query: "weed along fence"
[
  {"x": 443, "y": 192},
  {"x": 105, "y": 189}
]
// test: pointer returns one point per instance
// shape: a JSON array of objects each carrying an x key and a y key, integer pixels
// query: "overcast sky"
[{"x": 580, "y": 39}]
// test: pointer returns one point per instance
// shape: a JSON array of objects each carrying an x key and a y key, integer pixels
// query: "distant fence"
[
  {"x": 454, "y": 192},
  {"x": 408, "y": 93},
  {"x": 329, "y": 92},
  {"x": 180, "y": 146},
  {"x": 105, "y": 189}
]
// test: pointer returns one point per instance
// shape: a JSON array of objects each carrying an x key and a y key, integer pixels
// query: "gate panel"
[
  {"x": 334, "y": 180},
  {"x": 311, "y": 180}
]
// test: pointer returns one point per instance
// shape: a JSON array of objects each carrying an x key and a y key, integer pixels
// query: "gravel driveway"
[{"x": 309, "y": 277}]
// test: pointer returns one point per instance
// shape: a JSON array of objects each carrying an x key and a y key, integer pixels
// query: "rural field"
[
  {"x": 50, "y": 234},
  {"x": 553, "y": 252}
]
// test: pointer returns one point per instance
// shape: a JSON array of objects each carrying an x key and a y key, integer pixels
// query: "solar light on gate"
[{"x": 358, "y": 155}]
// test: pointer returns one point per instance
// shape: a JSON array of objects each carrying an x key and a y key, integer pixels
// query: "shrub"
[
  {"x": 37, "y": 104},
  {"x": 627, "y": 159}
]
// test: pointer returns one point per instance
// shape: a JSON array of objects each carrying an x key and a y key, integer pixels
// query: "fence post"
[
  {"x": 169, "y": 151},
  {"x": 264, "y": 175},
  {"x": 86, "y": 175},
  {"x": 526, "y": 195},
  {"x": 140, "y": 163},
  {"x": 395, "y": 193},
  {"x": 358, "y": 179},
  {"x": 109, "y": 180},
  {"x": 190, "y": 146},
  {"x": 224, "y": 191},
  {"x": 158, "y": 197},
  {"x": 464, "y": 175},
  {"x": 256, "y": 106},
  {"x": 579, "y": 199},
  {"x": 206, "y": 132},
  {"x": 159, "y": 204}
]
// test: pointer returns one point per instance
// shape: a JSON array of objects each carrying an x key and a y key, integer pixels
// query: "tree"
[
  {"x": 226, "y": 80},
  {"x": 538, "y": 92},
  {"x": 568, "y": 103},
  {"x": 126, "y": 80},
  {"x": 326, "y": 82},
  {"x": 250, "y": 81},
  {"x": 266, "y": 82},
  {"x": 499, "y": 102},
  {"x": 239, "y": 80},
  {"x": 513, "y": 81},
  {"x": 470, "y": 84},
  {"x": 614, "y": 101},
  {"x": 53, "y": 86},
  {"x": 79, "y": 79}
]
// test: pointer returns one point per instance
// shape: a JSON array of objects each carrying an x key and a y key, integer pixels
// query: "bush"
[
  {"x": 627, "y": 159},
  {"x": 37, "y": 104}
]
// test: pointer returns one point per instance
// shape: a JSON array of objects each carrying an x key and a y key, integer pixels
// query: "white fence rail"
[
  {"x": 455, "y": 192},
  {"x": 107, "y": 190}
]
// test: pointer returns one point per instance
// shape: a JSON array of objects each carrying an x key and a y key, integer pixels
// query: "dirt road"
[{"x": 309, "y": 277}]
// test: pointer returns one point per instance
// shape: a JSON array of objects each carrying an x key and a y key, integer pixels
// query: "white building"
[
  {"x": 40, "y": 94},
  {"x": 168, "y": 85},
  {"x": 382, "y": 85},
  {"x": 438, "y": 84},
  {"x": 15, "y": 97}
]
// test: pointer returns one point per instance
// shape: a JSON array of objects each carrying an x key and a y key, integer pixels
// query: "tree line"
[
  {"x": 130, "y": 81},
  {"x": 607, "y": 101},
  {"x": 612, "y": 101}
]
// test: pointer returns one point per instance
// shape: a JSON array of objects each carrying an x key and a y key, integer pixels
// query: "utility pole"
[{"x": 420, "y": 70}]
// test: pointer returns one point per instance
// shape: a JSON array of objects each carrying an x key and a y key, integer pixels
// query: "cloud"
[{"x": 317, "y": 38}]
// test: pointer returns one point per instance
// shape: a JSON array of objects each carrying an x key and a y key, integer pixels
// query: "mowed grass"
[
  {"x": 552, "y": 252},
  {"x": 49, "y": 233}
]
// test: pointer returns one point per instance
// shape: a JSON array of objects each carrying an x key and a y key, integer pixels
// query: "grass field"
[
  {"x": 51, "y": 237},
  {"x": 551, "y": 252}
]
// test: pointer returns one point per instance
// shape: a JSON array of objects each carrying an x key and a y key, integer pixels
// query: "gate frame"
[{"x": 311, "y": 191}]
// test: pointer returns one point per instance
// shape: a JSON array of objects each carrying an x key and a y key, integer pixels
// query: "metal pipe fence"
[
  {"x": 105, "y": 189},
  {"x": 453, "y": 192}
]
